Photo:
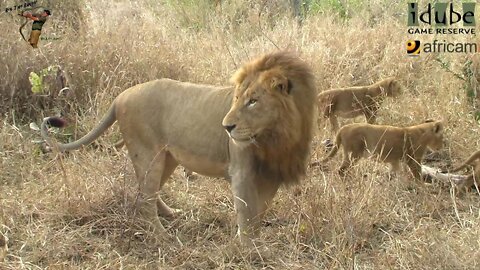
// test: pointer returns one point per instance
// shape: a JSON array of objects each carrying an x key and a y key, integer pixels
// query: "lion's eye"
[{"x": 251, "y": 102}]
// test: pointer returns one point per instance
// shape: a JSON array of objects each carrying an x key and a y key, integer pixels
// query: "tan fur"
[
  {"x": 472, "y": 160},
  {"x": 165, "y": 123},
  {"x": 3, "y": 248},
  {"x": 354, "y": 101},
  {"x": 473, "y": 178},
  {"x": 390, "y": 144},
  {"x": 472, "y": 181},
  {"x": 187, "y": 174}
]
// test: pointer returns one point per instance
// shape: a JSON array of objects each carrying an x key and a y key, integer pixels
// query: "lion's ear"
[
  {"x": 438, "y": 127},
  {"x": 238, "y": 77},
  {"x": 282, "y": 85}
]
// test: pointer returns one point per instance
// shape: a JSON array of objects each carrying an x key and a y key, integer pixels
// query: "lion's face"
[
  {"x": 436, "y": 136},
  {"x": 270, "y": 121},
  {"x": 259, "y": 108}
]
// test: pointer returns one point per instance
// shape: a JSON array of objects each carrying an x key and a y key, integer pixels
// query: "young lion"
[
  {"x": 390, "y": 144},
  {"x": 474, "y": 161},
  {"x": 353, "y": 101}
]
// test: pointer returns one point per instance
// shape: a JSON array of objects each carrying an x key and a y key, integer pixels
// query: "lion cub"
[
  {"x": 472, "y": 160},
  {"x": 474, "y": 177},
  {"x": 354, "y": 101},
  {"x": 391, "y": 144}
]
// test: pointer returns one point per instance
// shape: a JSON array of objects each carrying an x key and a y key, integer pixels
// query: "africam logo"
[{"x": 414, "y": 47}]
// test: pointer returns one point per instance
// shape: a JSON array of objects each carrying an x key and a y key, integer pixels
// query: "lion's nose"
[{"x": 229, "y": 128}]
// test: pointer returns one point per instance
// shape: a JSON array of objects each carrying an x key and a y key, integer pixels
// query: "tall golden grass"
[{"x": 76, "y": 212}]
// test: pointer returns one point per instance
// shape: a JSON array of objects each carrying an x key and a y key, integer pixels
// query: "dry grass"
[{"x": 77, "y": 212}]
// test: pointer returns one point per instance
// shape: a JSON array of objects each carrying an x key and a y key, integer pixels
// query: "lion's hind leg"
[
  {"x": 151, "y": 169},
  {"x": 170, "y": 165},
  {"x": 349, "y": 159},
  {"x": 334, "y": 123},
  {"x": 329, "y": 113}
]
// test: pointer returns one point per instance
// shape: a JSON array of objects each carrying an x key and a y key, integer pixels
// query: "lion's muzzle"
[{"x": 229, "y": 128}]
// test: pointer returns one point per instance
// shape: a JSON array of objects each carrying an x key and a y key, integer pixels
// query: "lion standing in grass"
[
  {"x": 390, "y": 144},
  {"x": 354, "y": 101},
  {"x": 268, "y": 117}
]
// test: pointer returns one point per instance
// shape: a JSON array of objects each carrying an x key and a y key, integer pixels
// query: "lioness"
[
  {"x": 353, "y": 101},
  {"x": 268, "y": 117},
  {"x": 390, "y": 144}
]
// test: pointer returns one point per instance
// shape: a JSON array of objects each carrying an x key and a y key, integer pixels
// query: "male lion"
[
  {"x": 353, "y": 101},
  {"x": 390, "y": 144},
  {"x": 186, "y": 173},
  {"x": 165, "y": 123}
]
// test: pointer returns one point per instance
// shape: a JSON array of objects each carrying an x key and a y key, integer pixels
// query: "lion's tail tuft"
[{"x": 55, "y": 121}]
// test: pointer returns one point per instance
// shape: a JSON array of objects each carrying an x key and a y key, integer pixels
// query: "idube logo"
[{"x": 442, "y": 17}]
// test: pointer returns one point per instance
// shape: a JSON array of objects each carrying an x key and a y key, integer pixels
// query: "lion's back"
[
  {"x": 183, "y": 115},
  {"x": 345, "y": 100},
  {"x": 387, "y": 141}
]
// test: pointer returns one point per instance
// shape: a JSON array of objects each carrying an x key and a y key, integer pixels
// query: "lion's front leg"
[
  {"x": 245, "y": 198},
  {"x": 251, "y": 199},
  {"x": 415, "y": 168}
]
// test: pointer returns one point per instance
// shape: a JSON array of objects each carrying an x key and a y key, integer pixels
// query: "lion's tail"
[
  {"x": 107, "y": 120},
  {"x": 333, "y": 152}
]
